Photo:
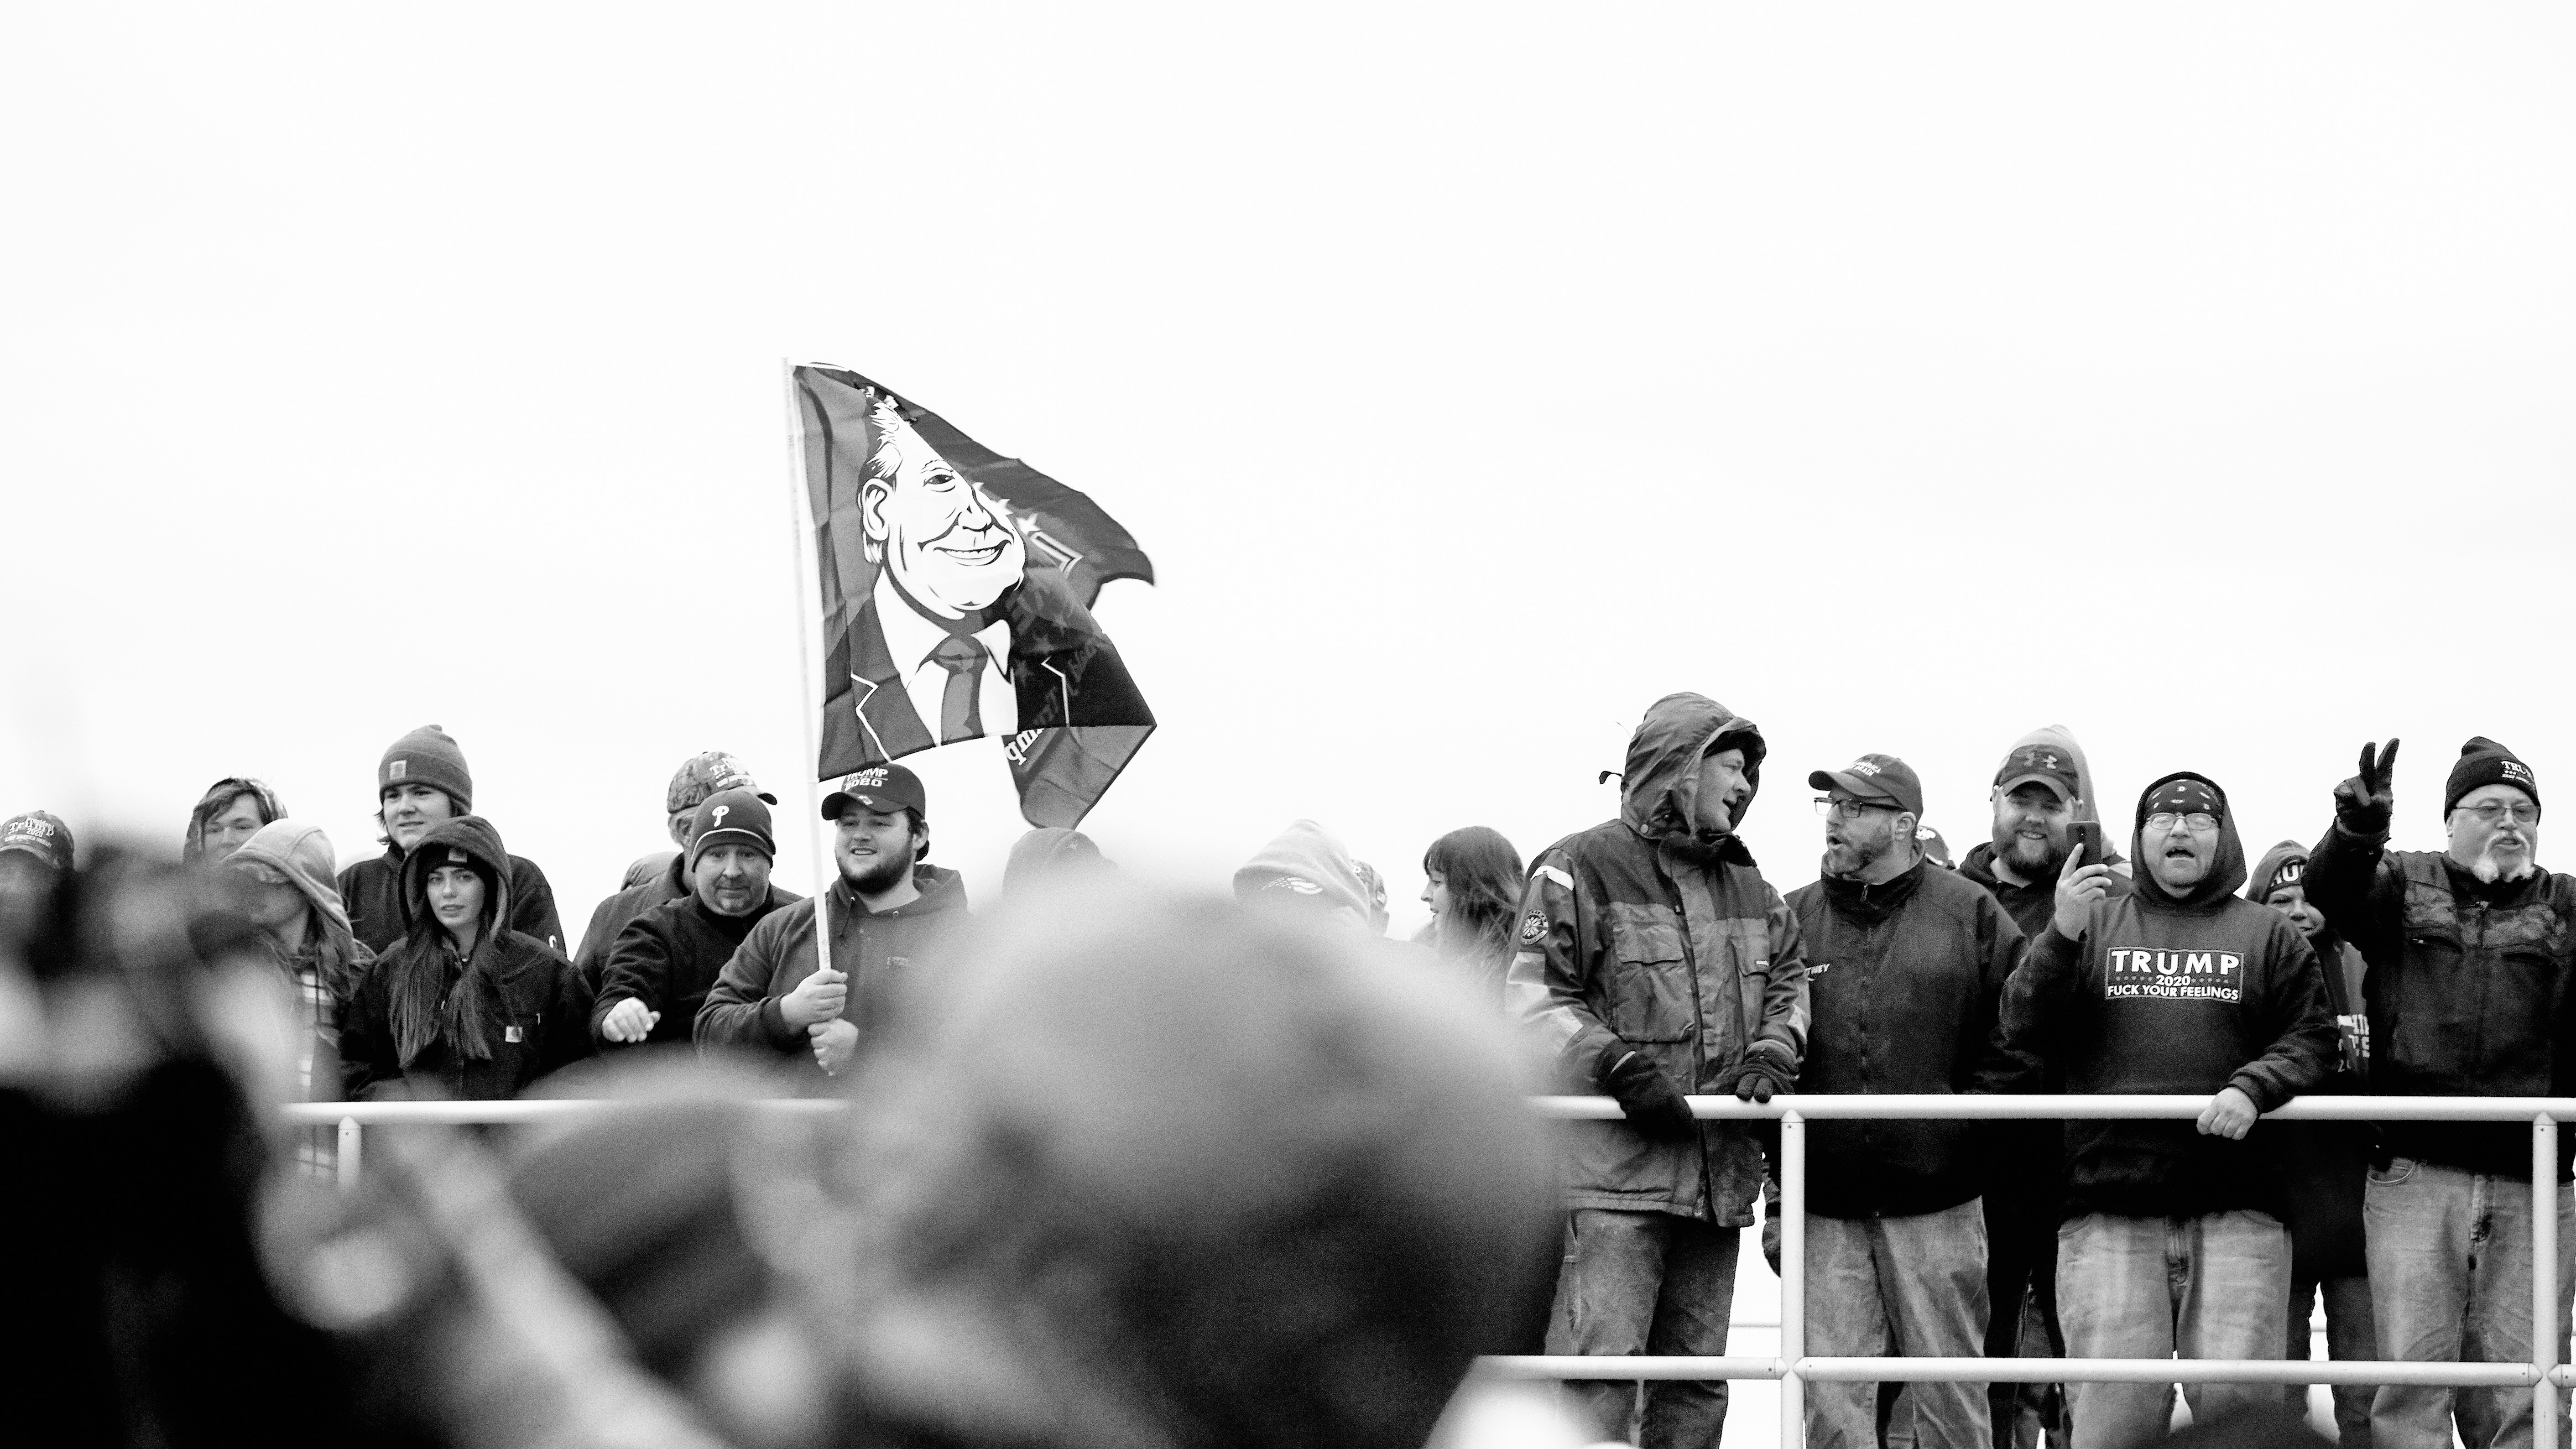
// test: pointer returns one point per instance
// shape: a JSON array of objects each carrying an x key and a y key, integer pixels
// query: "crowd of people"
[{"x": 1648, "y": 958}]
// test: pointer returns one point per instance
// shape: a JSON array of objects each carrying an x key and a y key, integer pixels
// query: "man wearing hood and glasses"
[
  {"x": 2173, "y": 1239},
  {"x": 2467, "y": 988},
  {"x": 1655, "y": 962}
]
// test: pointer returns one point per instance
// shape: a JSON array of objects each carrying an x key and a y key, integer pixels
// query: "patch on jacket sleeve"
[
  {"x": 1533, "y": 929},
  {"x": 1548, "y": 872}
]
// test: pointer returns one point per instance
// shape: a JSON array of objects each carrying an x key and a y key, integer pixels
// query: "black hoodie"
[{"x": 2169, "y": 993}]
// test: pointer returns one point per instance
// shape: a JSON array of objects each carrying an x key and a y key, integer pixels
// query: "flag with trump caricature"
[{"x": 957, "y": 588}]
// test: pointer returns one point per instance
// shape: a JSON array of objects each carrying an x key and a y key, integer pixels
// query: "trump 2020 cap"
[
  {"x": 1875, "y": 777},
  {"x": 878, "y": 787}
]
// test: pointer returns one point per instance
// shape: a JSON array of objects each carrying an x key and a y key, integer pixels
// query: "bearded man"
[
  {"x": 1906, "y": 964},
  {"x": 888, "y": 910},
  {"x": 2466, "y": 987}
]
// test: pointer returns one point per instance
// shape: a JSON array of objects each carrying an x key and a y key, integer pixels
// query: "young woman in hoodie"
[
  {"x": 284, "y": 875},
  {"x": 464, "y": 1007}
]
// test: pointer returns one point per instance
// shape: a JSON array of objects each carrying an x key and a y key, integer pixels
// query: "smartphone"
[{"x": 2087, "y": 848}]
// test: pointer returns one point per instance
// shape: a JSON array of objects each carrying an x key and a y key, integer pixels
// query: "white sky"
[{"x": 1905, "y": 377}]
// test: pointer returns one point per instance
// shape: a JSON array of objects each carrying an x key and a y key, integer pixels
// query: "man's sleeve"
[
  {"x": 2303, "y": 1030},
  {"x": 532, "y": 903},
  {"x": 2351, "y": 882},
  {"x": 572, "y": 1008},
  {"x": 740, "y": 1012},
  {"x": 640, "y": 967},
  {"x": 596, "y": 945},
  {"x": 2000, "y": 947},
  {"x": 2032, "y": 1012},
  {"x": 1545, "y": 984},
  {"x": 1784, "y": 988}
]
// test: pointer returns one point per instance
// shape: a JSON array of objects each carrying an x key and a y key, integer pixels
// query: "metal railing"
[{"x": 1793, "y": 1367}]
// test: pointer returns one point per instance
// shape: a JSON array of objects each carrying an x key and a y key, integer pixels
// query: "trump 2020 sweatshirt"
[{"x": 2168, "y": 992}]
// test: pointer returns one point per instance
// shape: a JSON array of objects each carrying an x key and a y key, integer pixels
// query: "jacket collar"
[{"x": 1873, "y": 903}]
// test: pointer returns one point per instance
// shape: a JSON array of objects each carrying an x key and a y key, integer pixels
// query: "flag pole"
[{"x": 806, "y": 581}]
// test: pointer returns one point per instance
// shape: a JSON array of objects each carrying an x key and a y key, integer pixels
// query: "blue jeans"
[
  {"x": 2450, "y": 1278},
  {"x": 2213, "y": 1286},
  {"x": 1905, "y": 1285},
  {"x": 1646, "y": 1283}
]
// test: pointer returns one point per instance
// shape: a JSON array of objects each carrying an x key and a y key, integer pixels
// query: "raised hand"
[{"x": 2364, "y": 803}]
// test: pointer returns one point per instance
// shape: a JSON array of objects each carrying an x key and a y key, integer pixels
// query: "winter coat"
[
  {"x": 2167, "y": 993},
  {"x": 372, "y": 891},
  {"x": 609, "y": 920},
  {"x": 2466, "y": 988},
  {"x": 1641, "y": 934},
  {"x": 669, "y": 957},
  {"x": 535, "y": 1013},
  {"x": 1905, "y": 981},
  {"x": 880, "y": 950},
  {"x": 326, "y": 971},
  {"x": 2322, "y": 1165}
]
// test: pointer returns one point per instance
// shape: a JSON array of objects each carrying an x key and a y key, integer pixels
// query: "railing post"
[
  {"x": 350, "y": 1136},
  {"x": 1793, "y": 1279},
  {"x": 2544, "y": 1280}
]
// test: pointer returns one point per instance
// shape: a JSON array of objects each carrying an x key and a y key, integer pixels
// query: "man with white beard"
[{"x": 2469, "y": 954}]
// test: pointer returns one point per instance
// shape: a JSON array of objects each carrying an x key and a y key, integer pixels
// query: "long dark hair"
[
  {"x": 1483, "y": 874},
  {"x": 423, "y": 1007}
]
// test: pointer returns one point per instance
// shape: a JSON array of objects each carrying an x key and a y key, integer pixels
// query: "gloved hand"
[
  {"x": 2363, "y": 803},
  {"x": 1766, "y": 1070},
  {"x": 1654, "y": 1105}
]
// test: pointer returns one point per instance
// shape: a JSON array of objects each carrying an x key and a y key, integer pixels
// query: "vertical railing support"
[
  {"x": 350, "y": 1136},
  {"x": 1793, "y": 1279},
  {"x": 2544, "y": 1280}
]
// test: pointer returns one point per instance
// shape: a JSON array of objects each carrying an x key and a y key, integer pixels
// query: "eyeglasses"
[
  {"x": 1833, "y": 809},
  {"x": 2521, "y": 812},
  {"x": 2197, "y": 820}
]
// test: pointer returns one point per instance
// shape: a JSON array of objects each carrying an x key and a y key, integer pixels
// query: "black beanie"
[{"x": 2484, "y": 762}]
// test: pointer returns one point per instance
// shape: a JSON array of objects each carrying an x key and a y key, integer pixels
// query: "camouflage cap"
[
  {"x": 40, "y": 834},
  {"x": 703, "y": 775}
]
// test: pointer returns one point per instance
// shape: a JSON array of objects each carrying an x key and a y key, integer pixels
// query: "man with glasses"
[
  {"x": 2043, "y": 788},
  {"x": 2467, "y": 989},
  {"x": 2173, "y": 1240},
  {"x": 1906, "y": 964}
]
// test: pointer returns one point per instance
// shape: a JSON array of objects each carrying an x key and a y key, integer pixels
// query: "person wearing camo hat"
[
  {"x": 35, "y": 852},
  {"x": 661, "y": 876}
]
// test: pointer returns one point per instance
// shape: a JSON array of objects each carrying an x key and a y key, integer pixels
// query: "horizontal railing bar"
[
  {"x": 531, "y": 1109},
  {"x": 1634, "y": 1367},
  {"x": 1901, "y": 1106}
]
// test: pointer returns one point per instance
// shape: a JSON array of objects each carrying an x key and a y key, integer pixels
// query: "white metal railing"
[{"x": 1793, "y": 1367}]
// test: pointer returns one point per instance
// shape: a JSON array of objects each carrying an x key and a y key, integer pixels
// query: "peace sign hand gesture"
[{"x": 2364, "y": 802}]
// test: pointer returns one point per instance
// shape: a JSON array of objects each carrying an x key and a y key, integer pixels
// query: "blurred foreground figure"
[
  {"x": 1051, "y": 853},
  {"x": 35, "y": 852}
]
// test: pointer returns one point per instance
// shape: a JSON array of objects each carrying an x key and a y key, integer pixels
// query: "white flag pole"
[{"x": 807, "y": 580}]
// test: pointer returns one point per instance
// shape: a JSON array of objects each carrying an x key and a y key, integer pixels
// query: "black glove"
[
  {"x": 1764, "y": 1073},
  {"x": 2363, "y": 803},
  {"x": 1654, "y": 1105}
]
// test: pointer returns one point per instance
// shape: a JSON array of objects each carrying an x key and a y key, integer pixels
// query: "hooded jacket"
[
  {"x": 2172, "y": 993},
  {"x": 2322, "y": 1164},
  {"x": 1643, "y": 934},
  {"x": 373, "y": 892},
  {"x": 1305, "y": 861},
  {"x": 327, "y": 970},
  {"x": 609, "y": 920},
  {"x": 880, "y": 950},
  {"x": 535, "y": 1013},
  {"x": 1905, "y": 981},
  {"x": 2466, "y": 987},
  {"x": 669, "y": 957},
  {"x": 2030, "y": 904}
]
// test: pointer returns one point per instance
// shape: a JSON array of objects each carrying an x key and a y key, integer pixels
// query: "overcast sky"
[{"x": 2198, "y": 377}]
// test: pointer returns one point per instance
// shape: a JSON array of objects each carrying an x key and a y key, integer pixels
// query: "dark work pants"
[
  {"x": 2021, "y": 1262},
  {"x": 1646, "y": 1282}
]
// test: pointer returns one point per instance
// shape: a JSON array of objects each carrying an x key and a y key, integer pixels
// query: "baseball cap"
[
  {"x": 41, "y": 834},
  {"x": 1875, "y": 777},
  {"x": 1934, "y": 848},
  {"x": 703, "y": 775},
  {"x": 731, "y": 817},
  {"x": 2042, "y": 764},
  {"x": 878, "y": 787}
]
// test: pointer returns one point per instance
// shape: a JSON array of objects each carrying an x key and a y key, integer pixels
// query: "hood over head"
[
  {"x": 2062, "y": 740},
  {"x": 1662, "y": 779},
  {"x": 472, "y": 837},
  {"x": 1304, "y": 865},
  {"x": 2226, "y": 871},
  {"x": 2282, "y": 865},
  {"x": 1047, "y": 852},
  {"x": 302, "y": 854}
]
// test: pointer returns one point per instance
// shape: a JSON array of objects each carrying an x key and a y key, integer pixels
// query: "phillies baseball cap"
[
  {"x": 731, "y": 817},
  {"x": 1875, "y": 777},
  {"x": 2039, "y": 764},
  {"x": 878, "y": 787},
  {"x": 703, "y": 775}
]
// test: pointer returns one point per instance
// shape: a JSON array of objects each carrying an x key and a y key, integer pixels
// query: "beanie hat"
[
  {"x": 2484, "y": 762},
  {"x": 2285, "y": 864},
  {"x": 41, "y": 834},
  {"x": 731, "y": 817},
  {"x": 427, "y": 756}
]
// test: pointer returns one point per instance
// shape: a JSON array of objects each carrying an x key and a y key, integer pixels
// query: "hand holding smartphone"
[{"x": 2087, "y": 848}]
